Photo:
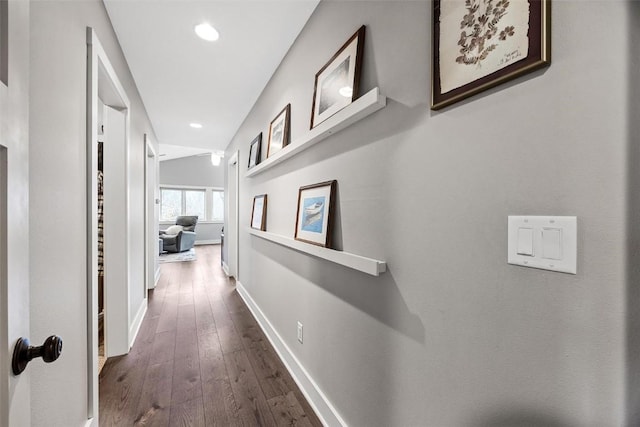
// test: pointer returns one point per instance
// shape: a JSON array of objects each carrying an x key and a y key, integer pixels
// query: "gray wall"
[
  {"x": 452, "y": 335},
  {"x": 199, "y": 172},
  {"x": 58, "y": 197}
]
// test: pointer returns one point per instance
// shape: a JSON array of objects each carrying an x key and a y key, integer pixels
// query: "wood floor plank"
[
  {"x": 252, "y": 404},
  {"x": 186, "y": 380},
  {"x": 155, "y": 402},
  {"x": 219, "y": 403},
  {"x": 188, "y": 414},
  {"x": 288, "y": 412},
  {"x": 163, "y": 348},
  {"x": 200, "y": 359}
]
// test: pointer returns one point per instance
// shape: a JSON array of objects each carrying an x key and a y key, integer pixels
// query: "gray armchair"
[{"x": 185, "y": 239}]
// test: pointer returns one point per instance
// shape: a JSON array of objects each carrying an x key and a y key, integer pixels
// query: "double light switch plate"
[{"x": 545, "y": 242}]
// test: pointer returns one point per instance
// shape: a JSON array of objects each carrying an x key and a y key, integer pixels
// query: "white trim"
[
  {"x": 321, "y": 405},
  {"x": 362, "y": 107},
  {"x": 207, "y": 242},
  {"x": 91, "y": 422},
  {"x": 168, "y": 222},
  {"x": 190, "y": 187},
  {"x": 225, "y": 268},
  {"x": 233, "y": 233},
  {"x": 157, "y": 278},
  {"x": 370, "y": 266},
  {"x": 97, "y": 58},
  {"x": 137, "y": 322}
]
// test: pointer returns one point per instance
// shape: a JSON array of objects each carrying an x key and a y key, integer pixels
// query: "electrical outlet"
[{"x": 300, "y": 332}]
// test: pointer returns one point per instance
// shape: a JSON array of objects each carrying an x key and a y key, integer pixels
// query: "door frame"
[
  {"x": 4, "y": 287},
  {"x": 150, "y": 216},
  {"x": 232, "y": 233},
  {"x": 101, "y": 80}
]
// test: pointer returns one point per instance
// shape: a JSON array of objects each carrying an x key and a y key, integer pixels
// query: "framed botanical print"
[
  {"x": 314, "y": 219},
  {"x": 279, "y": 131},
  {"x": 259, "y": 213},
  {"x": 479, "y": 44},
  {"x": 255, "y": 151},
  {"x": 337, "y": 83}
]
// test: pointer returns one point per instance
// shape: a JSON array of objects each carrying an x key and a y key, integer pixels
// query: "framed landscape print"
[
  {"x": 279, "y": 131},
  {"x": 337, "y": 83},
  {"x": 255, "y": 151},
  {"x": 479, "y": 44},
  {"x": 314, "y": 219},
  {"x": 259, "y": 213}
]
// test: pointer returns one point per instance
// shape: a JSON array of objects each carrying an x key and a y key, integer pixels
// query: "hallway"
[{"x": 200, "y": 359}]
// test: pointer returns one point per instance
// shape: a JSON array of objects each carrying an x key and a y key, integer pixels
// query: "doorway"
[{"x": 108, "y": 112}]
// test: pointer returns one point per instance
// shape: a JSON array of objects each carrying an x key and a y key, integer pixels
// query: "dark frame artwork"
[
  {"x": 279, "y": 131},
  {"x": 337, "y": 84},
  {"x": 259, "y": 217},
  {"x": 255, "y": 151},
  {"x": 482, "y": 37},
  {"x": 314, "y": 214}
]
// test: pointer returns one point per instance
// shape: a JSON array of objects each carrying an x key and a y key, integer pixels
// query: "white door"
[{"x": 14, "y": 208}]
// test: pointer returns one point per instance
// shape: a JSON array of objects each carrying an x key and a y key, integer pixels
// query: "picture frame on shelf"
[
  {"x": 255, "y": 151},
  {"x": 259, "y": 213},
  {"x": 480, "y": 45},
  {"x": 314, "y": 217},
  {"x": 279, "y": 131},
  {"x": 337, "y": 84}
]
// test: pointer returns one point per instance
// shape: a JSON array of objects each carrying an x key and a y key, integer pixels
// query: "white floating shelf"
[
  {"x": 370, "y": 266},
  {"x": 367, "y": 104}
]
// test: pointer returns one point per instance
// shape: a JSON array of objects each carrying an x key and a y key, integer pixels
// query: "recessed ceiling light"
[
  {"x": 195, "y": 125},
  {"x": 207, "y": 32}
]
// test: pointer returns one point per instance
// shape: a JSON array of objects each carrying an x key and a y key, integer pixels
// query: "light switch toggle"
[
  {"x": 552, "y": 243},
  {"x": 525, "y": 241}
]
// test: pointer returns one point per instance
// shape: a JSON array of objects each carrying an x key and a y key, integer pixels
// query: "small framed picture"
[
  {"x": 479, "y": 45},
  {"x": 279, "y": 131},
  {"x": 255, "y": 151},
  {"x": 259, "y": 213},
  {"x": 337, "y": 83},
  {"x": 314, "y": 220}
]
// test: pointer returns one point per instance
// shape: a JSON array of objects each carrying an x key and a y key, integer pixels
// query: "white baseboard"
[
  {"x": 207, "y": 242},
  {"x": 157, "y": 278},
  {"x": 317, "y": 399},
  {"x": 225, "y": 268},
  {"x": 137, "y": 322}
]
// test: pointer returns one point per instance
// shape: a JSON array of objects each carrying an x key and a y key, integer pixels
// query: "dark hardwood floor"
[{"x": 200, "y": 359}]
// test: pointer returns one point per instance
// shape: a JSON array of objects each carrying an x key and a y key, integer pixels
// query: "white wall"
[
  {"x": 196, "y": 171},
  {"x": 58, "y": 196},
  {"x": 451, "y": 334}
]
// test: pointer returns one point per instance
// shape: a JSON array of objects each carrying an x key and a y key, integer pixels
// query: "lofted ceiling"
[{"x": 183, "y": 79}]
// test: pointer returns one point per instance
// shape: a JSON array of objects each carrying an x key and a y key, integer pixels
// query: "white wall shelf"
[
  {"x": 370, "y": 266},
  {"x": 362, "y": 107}
]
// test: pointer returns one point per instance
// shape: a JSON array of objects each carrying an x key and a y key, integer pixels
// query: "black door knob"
[{"x": 23, "y": 353}]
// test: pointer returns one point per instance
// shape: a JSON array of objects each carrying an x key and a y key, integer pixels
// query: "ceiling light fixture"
[
  {"x": 206, "y": 32},
  {"x": 195, "y": 125},
  {"x": 215, "y": 159}
]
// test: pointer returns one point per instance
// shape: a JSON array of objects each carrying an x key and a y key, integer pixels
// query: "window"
[
  {"x": 207, "y": 203},
  {"x": 217, "y": 210}
]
